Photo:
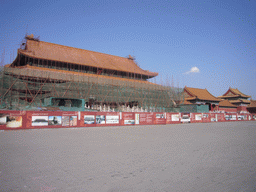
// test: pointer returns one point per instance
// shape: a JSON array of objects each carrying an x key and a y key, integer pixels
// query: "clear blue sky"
[{"x": 175, "y": 38}]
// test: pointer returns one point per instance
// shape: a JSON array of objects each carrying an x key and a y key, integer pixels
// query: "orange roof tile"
[
  {"x": 226, "y": 103},
  {"x": 190, "y": 98},
  {"x": 235, "y": 92},
  {"x": 228, "y": 96},
  {"x": 201, "y": 94},
  {"x": 245, "y": 101},
  {"x": 55, "y": 52},
  {"x": 186, "y": 102},
  {"x": 252, "y": 104}
]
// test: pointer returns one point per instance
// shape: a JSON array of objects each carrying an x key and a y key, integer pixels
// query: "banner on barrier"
[
  {"x": 196, "y": 117},
  {"x": 172, "y": 118},
  {"x": 127, "y": 118},
  {"x": 145, "y": 118},
  {"x": 230, "y": 117},
  {"x": 160, "y": 118},
  {"x": 12, "y": 119},
  {"x": 57, "y": 119},
  {"x": 43, "y": 119}
]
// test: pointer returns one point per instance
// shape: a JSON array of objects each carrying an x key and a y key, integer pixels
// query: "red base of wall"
[
  {"x": 228, "y": 110},
  {"x": 64, "y": 119},
  {"x": 242, "y": 108}
]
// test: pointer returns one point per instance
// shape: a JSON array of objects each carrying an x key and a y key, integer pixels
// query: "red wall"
[
  {"x": 221, "y": 117},
  {"x": 206, "y": 118},
  {"x": 242, "y": 108},
  {"x": 127, "y": 118},
  {"x": 64, "y": 119},
  {"x": 230, "y": 116},
  {"x": 228, "y": 110}
]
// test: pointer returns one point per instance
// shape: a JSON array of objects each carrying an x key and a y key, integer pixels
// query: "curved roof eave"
[
  {"x": 194, "y": 92},
  {"x": 61, "y": 53}
]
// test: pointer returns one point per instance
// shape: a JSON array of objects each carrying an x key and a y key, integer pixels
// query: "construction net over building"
[{"x": 47, "y": 75}]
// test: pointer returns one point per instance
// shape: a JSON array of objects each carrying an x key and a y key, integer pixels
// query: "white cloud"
[{"x": 193, "y": 70}]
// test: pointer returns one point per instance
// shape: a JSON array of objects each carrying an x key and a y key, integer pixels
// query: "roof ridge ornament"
[
  {"x": 31, "y": 37},
  {"x": 131, "y": 57}
]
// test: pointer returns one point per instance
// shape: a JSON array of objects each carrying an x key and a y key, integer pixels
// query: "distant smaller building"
[
  {"x": 252, "y": 107},
  {"x": 237, "y": 98},
  {"x": 199, "y": 101}
]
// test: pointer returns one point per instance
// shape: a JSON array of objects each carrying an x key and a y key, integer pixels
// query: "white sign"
[
  {"x": 176, "y": 117},
  {"x": 137, "y": 119},
  {"x": 198, "y": 117},
  {"x": 112, "y": 119}
]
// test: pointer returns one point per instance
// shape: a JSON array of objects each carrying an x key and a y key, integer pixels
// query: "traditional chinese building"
[
  {"x": 252, "y": 107},
  {"x": 48, "y": 74},
  {"x": 237, "y": 98},
  {"x": 199, "y": 100}
]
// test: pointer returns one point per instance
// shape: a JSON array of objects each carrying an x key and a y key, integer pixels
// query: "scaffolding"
[
  {"x": 24, "y": 88},
  {"x": 62, "y": 81}
]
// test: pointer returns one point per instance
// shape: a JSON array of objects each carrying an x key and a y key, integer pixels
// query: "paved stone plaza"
[{"x": 184, "y": 157}]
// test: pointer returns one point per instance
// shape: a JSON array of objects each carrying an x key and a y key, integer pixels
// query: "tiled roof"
[
  {"x": 186, "y": 102},
  {"x": 229, "y": 96},
  {"x": 55, "y": 52},
  {"x": 226, "y": 103},
  {"x": 239, "y": 101},
  {"x": 190, "y": 98},
  {"x": 235, "y": 92},
  {"x": 252, "y": 104},
  {"x": 245, "y": 101},
  {"x": 201, "y": 94}
]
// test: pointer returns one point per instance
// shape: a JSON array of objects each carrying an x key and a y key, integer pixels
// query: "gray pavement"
[{"x": 190, "y": 157}]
